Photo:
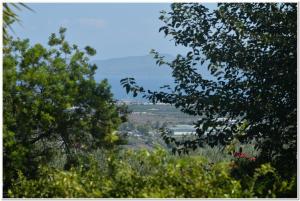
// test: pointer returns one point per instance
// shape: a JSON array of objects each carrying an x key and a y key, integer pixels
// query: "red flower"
[
  {"x": 236, "y": 154},
  {"x": 240, "y": 155},
  {"x": 252, "y": 159},
  {"x": 243, "y": 155}
]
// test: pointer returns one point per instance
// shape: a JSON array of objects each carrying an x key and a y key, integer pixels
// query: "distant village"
[
  {"x": 136, "y": 102},
  {"x": 176, "y": 128}
]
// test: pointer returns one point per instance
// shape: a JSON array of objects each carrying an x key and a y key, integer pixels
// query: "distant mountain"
[{"x": 142, "y": 68}]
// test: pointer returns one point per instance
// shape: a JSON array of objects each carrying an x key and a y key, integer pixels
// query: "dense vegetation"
[
  {"x": 60, "y": 127},
  {"x": 52, "y": 102},
  {"x": 154, "y": 174},
  {"x": 250, "y": 49}
]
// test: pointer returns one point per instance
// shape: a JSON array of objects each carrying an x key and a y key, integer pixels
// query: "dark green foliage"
[
  {"x": 251, "y": 52},
  {"x": 55, "y": 114},
  {"x": 52, "y": 102}
]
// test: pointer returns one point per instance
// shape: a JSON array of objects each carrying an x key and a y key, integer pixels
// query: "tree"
[
  {"x": 250, "y": 50},
  {"x": 10, "y": 16},
  {"x": 52, "y": 102}
]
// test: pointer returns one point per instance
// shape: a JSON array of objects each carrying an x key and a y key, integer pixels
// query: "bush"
[
  {"x": 144, "y": 174},
  {"x": 267, "y": 183}
]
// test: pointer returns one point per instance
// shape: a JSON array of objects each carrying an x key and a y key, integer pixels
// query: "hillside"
[{"x": 142, "y": 68}]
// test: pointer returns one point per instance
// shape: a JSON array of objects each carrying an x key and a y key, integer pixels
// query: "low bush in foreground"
[{"x": 154, "y": 174}]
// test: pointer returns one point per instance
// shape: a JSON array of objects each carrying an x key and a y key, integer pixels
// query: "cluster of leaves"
[
  {"x": 10, "y": 16},
  {"x": 52, "y": 102},
  {"x": 150, "y": 174},
  {"x": 250, "y": 50},
  {"x": 263, "y": 179}
]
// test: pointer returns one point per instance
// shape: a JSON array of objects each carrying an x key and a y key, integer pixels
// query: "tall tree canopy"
[
  {"x": 251, "y": 51},
  {"x": 52, "y": 102}
]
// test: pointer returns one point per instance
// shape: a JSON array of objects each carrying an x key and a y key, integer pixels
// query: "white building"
[{"x": 182, "y": 129}]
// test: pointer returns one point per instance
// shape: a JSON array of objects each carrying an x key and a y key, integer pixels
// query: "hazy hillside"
[{"x": 142, "y": 68}]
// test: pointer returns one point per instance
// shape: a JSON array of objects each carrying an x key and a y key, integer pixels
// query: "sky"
[{"x": 114, "y": 30}]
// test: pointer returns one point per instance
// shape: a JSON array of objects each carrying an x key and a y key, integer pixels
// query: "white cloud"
[{"x": 92, "y": 22}]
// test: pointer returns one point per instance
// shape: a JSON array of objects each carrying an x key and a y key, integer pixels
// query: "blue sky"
[{"x": 114, "y": 30}]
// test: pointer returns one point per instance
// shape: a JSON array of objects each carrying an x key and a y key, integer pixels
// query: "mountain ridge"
[{"x": 143, "y": 68}]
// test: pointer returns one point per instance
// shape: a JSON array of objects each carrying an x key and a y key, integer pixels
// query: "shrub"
[
  {"x": 144, "y": 174},
  {"x": 268, "y": 183}
]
